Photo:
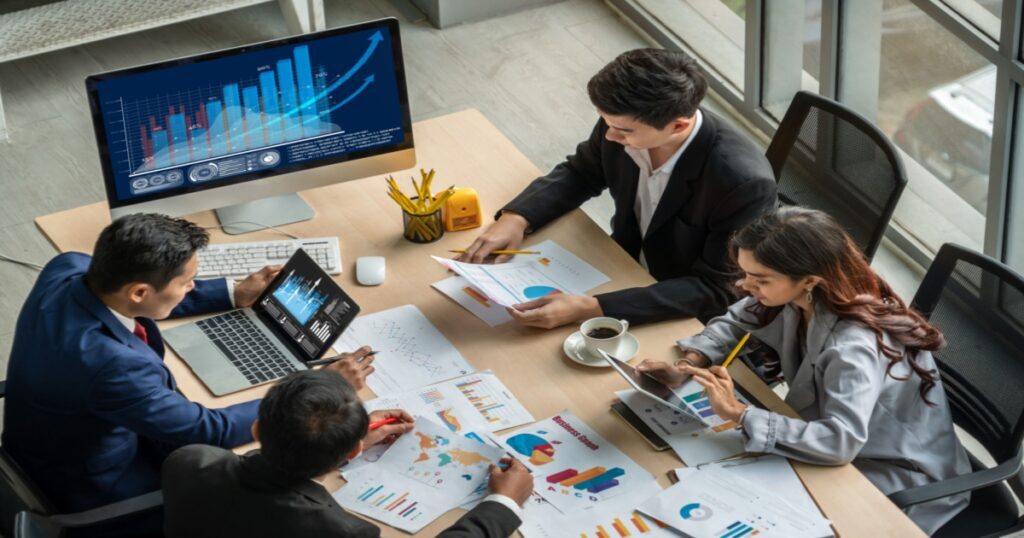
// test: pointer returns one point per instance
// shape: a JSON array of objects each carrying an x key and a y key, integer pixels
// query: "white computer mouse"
[{"x": 370, "y": 270}]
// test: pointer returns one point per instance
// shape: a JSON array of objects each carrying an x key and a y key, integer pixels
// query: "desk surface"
[{"x": 466, "y": 149}]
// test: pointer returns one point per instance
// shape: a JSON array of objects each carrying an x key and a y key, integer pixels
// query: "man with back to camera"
[
  {"x": 309, "y": 423},
  {"x": 91, "y": 409},
  {"x": 682, "y": 180}
]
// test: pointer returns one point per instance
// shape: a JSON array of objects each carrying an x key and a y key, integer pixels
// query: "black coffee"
[{"x": 603, "y": 332}]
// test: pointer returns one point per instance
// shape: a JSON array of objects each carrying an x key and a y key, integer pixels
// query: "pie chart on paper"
[{"x": 536, "y": 292}]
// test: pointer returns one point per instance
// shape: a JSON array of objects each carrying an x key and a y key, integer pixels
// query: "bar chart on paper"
[
  {"x": 389, "y": 499},
  {"x": 264, "y": 109}
]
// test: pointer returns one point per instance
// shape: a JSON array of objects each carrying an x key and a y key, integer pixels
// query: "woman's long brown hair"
[{"x": 800, "y": 242}]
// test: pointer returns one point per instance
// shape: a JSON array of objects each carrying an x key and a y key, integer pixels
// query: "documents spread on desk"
[
  {"x": 694, "y": 442},
  {"x": 573, "y": 467},
  {"x": 732, "y": 499},
  {"x": 411, "y": 351},
  {"x": 477, "y": 401},
  {"x": 421, "y": 476},
  {"x": 485, "y": 289},
  {"x": 617, "y": 517}
]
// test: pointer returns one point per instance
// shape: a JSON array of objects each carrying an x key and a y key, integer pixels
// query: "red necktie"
[{"x": 140, "y": 331}]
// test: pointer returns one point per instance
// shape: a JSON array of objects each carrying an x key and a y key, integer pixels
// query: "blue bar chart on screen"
[{"x": 268, "y": 109}]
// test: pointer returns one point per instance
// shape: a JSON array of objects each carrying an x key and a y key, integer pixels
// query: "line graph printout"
[{"x": 411, "y": 351}]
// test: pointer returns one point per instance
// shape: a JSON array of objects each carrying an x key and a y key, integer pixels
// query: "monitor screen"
[
  {"x": 306, "y": 306},
  {"x": 252, "y": 112}
]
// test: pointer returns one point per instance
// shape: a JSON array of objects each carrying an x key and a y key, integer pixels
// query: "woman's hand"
[
  {"x": 667, "y": 373},
  {"x": 718, "y": 384}
]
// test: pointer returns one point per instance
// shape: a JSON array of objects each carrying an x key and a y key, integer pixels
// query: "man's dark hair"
[
  {"x": 309, "y": 422},
  {"x": 655, "y": 86},
  {"x": 143, "y": 247}
]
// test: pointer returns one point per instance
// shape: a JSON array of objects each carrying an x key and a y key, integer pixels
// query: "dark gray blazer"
[
  {"x": 211, "y": 492},
  {"x": 720, "y": 183}
]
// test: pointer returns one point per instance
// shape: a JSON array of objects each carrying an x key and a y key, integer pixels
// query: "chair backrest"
[
  {"x": 17, "y": 493},
  {"x": 826, "y": 156},
  {"x": 978, "y": 304}
]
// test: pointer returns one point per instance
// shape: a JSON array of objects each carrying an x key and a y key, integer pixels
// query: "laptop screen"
[{"x": 306, "y": 307}]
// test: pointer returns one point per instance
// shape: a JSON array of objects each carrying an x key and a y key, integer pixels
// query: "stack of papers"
[
  {"x": 421, "y": 476},
  {"x": 485, "y": 290},
  {"x": 733, "y": 501},
  {"x": 618, "y": 517}
]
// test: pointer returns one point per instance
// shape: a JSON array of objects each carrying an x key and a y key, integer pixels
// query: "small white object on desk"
[{"x": 370, "y": 270}]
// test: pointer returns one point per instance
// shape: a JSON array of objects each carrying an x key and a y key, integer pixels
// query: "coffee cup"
[{"x": 603, "y": 334}]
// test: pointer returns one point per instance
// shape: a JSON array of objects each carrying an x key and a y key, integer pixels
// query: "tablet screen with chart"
[{"x": 306, "y": 306}]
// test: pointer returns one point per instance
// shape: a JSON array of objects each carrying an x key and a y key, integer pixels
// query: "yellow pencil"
[{"x": 736, "y": 350}]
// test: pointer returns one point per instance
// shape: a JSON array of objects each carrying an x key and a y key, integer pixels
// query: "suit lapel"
[
  {"x": 689, "y": 168},
  {"x": 802, "y": 391}
]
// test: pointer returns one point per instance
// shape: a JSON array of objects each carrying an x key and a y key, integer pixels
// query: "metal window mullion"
[
  {"x": 753, "y": 54},
  {"x": 828, "y": 70}
]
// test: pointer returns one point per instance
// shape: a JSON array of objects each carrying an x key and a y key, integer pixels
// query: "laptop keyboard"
[{"x": 252, "y": 353}]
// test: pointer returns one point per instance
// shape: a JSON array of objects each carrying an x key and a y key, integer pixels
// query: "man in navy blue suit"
[{"x": 91, "y": 409}]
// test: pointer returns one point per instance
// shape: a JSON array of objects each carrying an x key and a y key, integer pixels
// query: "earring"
[{"x": 810, "y": 295}]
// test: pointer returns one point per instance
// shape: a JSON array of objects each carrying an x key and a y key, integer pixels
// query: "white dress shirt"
[{"x": 651, "y": 183}]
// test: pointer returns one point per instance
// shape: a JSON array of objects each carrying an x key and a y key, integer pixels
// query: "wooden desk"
[{"x": 466, "y": 149}]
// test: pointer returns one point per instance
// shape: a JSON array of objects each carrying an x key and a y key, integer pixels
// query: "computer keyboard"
[
  {"x": 246, "y": 347},
  {"x": 238, "y": 260}
]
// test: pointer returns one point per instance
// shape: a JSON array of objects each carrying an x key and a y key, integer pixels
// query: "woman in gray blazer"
[{"x": 857, "y": 359}]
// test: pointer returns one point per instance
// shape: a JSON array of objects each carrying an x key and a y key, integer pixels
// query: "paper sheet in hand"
[
  {"x": 718, "y": 502},
  {"x": 460, "y": 290},
  {"x": 617, "y": 517},
  {"x": 422, "y": 475},
  {"x": 574, "y": 468},
  {"x": 691, "y": 440},
  {"x": 554, "y": 270},
  {"x": 411, "y": 351}
]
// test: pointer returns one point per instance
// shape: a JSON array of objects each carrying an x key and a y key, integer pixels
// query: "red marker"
[{"x": 379, "y": 423}]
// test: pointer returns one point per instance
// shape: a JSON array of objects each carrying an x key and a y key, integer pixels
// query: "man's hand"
[
  {"x": 389, "y": 432},
  {"x": 514, "y": 482},
  {"x": 668, "y": 374},
  {"x": 505, "y": 234},
  {"x": 354, "y": 367},
  {"x": 718, "y": 384},
  {"x": 248, "y": 290},
  {"x": 555, "y": 310}
]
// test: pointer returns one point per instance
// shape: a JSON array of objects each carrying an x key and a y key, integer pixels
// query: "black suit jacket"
[
  {"x": 720, "y": 183},
  {"x": 211, "y": 492}
]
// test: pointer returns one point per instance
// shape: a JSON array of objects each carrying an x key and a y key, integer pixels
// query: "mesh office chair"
[
  {"x": 826, "y": 156},
  {"x": 978, "y": 304},
  {"x": 26, "y": 513}
]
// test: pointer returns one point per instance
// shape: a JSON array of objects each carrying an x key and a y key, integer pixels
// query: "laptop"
[{"x": 296, "y": 319}]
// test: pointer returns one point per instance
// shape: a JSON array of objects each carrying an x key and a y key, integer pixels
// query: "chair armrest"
[
  {"x": 957, "y": 484},
  {"x": 110, "y": 512}
]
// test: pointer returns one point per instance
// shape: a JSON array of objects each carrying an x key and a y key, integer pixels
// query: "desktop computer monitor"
[{"x": 242, "y": 130}]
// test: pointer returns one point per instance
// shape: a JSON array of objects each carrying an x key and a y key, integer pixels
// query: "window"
[
  {"x": 982, "y": 14},
  {"x": 713, "y": 28},
  {"x": 1015, "y": 222},
  {"x": 794, "y": 31}
]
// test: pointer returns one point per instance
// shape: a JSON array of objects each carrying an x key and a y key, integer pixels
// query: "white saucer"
[{"x": 573, "y": 348}]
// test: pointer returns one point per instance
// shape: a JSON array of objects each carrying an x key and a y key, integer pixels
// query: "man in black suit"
[
  {"x": 682, "y": 180},
  {"x": 309, "y": 423}
]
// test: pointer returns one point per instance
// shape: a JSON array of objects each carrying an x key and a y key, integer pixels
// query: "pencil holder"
[{"x": 422, "y": 227}]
